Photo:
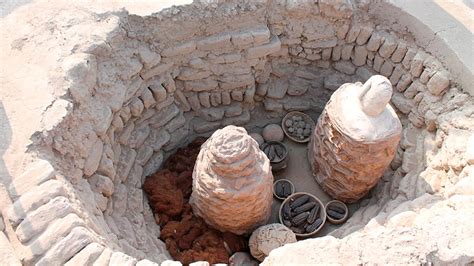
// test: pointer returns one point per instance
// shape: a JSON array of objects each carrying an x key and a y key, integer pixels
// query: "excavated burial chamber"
[{"x": 152, "y": 84}]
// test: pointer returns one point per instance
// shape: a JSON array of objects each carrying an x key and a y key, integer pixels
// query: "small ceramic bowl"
[
  {"x": 277, "y": 162},
  {"x": 336, "y": 212},
  {"x": 278, "y": 183},
  {"x": 306, "y": 118},
  {"x": 321, "y": 212}
]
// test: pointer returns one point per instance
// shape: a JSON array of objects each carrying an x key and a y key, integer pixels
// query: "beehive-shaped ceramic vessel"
[
  {"x": 232, "y": 182},
  {"x": 355, "y": 139}
]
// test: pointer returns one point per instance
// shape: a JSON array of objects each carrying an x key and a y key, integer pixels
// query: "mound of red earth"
[{"x": 188, "y": 238}]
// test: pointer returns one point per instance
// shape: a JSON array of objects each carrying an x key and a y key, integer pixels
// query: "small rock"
[
  {"x": 273, "y": 132},
  {"x": 269, "y": 237},
  {"x": 288, "y": 123},
  {"x": 242, "y": 258}
]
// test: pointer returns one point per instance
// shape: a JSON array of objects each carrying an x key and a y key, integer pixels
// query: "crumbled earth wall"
[{"x": 94, "y": 102}]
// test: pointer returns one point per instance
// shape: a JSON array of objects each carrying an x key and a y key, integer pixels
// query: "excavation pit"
[{"x": 116, "y": 94}]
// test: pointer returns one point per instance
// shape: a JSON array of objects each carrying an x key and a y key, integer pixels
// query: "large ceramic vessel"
[
  {"x": 355, "y": 139},
  {"x": 232, "y": 182}
]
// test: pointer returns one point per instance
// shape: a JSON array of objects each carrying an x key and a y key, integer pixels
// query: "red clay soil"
[{"x": 188, "y": 238}]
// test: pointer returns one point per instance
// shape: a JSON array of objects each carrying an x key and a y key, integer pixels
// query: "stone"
[
  {"x": 214, "y": 42},
  {"x": 266, "y": 49},
  {"x": 204, "y": 99},
  {"x": 353, "y": 33},
  {"x": 37, "y": 220},
  {"x": 416, "y": 67},
  {"x": 233, "y": 110},
  {"x": 333, "y": 81},
  {"x": 345, "y": 174},
  {"x": 346, "y": 52},
  {"x": 212, "y": 114},
  {"x": 176, "y": 123},
  {"x": 153, "y": 164},
  {"x": 171, "y": 263},
  {"x": 33, "y": 199},
  {"x": 136, "y": 107},
  {"x": 200, "y": 85},
  {"x": 410, "y": 54},
  {"x": 157, "y": 70},
  {"x": 336, "y": 8},
  {"x": 237, "y": 95},
  {"x": 345, "y": 67},
  {"x": 258, "y": 138},
  {"x": 378, "y": 62},
  {"x": 226, "y": 98},
  {"x": 164, "y": 116},
  {"x": 375, "y": 41},
  {"x": 278, "y": 88},
  {"x": 231, "y": 156},
  {"x": 87, "y": 255},
  {"x": 53, "y": 233},
  {"x": 386, "y": 69},
  {"x": 199, "y": 263},
  {"x": 249, "y": 94},
  {"x": 147, "y": 98},
  {"x": 101, "y": 184},
  {"x": 396, "y": 74},
  {"x": 438, "y": 83},
  {"x": 146, "y": 262},
  {"x": 402, "y": 103},
  {"x": 239, "y": 120},
  {"x": 273, "y": 132},
  {"x": 138, "y": 136},
  {"x": 193, "y": 101},
  {"x": 157, "y": 139},
  {"x": 400, "y": 52},
  {"x": 360, "y": 56},
  {"x": 269, "y": 237},
  {"x": 242, "y": 258},
  {"x": 364, "y": 34},
  {"x": 404, "y": 82},
  {"x": 336, "y": 53},
  {"x": 388, "y": 47},
  {"x": 180, "y": 49},
  {"x": 148, "y": 58},
  {"x": 35, "y": 174},
  {"x": 272, "y": 105},
  {"x": 158, "y": 91},
  {"x": 216, "y": 99},
  {"x": 127, "y": 158},
  {"x": 119, "y": 258},
  {"x": 298, "y": 86},
  {"x": 182, "y": 102},
  {"x": 260, "y": 35}
]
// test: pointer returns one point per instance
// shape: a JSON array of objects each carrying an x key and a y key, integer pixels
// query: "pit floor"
[{"x": 298, "y": 171}]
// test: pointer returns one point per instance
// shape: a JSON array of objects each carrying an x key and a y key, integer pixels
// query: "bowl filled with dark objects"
[
  {"x": 337, "y": 212},
  {"x": 283, "y": 188},
  {"x": 303, "y": 213},
  {"x": 297, "y": 126},
  {"x": 277, "y": 153}
]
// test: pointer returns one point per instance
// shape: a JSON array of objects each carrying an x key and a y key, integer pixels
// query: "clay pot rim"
[
  {"x": 339, "y": 203},
  {"x": 322, "y": 211},
  {"x": 278, "y": 143},
  {"x": 291, "y": 185},
  {"x": 306, "y": 118}
]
